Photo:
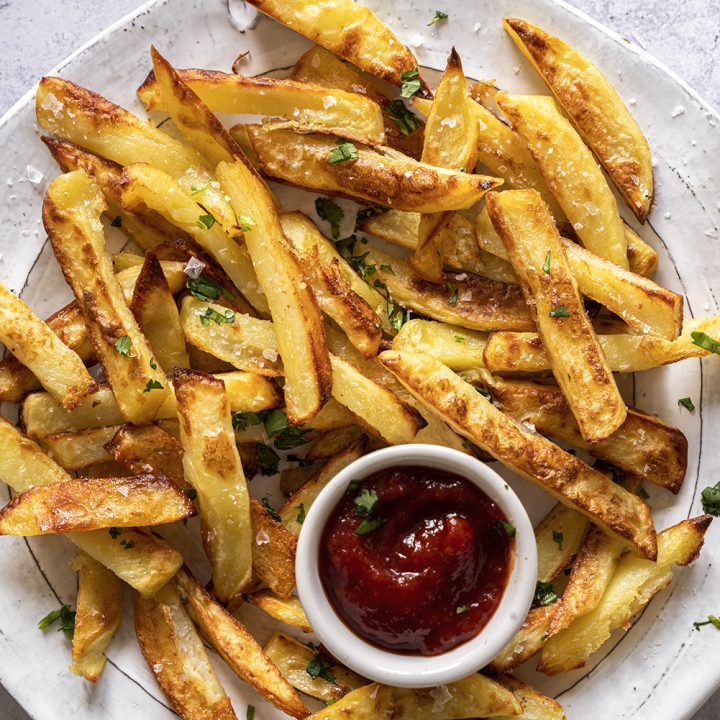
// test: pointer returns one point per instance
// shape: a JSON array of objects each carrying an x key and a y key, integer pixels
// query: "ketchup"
[{"x": 416, "y": 560}]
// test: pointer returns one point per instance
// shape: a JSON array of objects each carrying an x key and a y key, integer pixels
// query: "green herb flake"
[
  {"x": 268, "y": 460},
  {"x": 250, "y": 712},
  {"x": 123, "y": 345},
  {"x": 439, "y": 15},
  {"x": 544, "y": 594},
  {"x": 560, "y": 312},
  {"x": 152, "y": 385},
  {"x": 365, "y": 503},
  {"x": 206, "y": 221},
  {"x": 710, "y": 498},
  {"x": 546, "y": 264},
  {"x": 705, "y": 342},
  {"x": 483, "y": 391},
  {"x": 191, "y": 493},
  {"x": 318, "y": 667},
  {"x": 270, "y": 510},
  {"x": 352, "y": 487},
  {"x": 242, "y": 420},
  {"x": 410, "y": 84},
  {"x": 127, "y": 544},
  {"x": 558, "y": 538},
  {"x": 207, "y": 290},
  {"x": 687, "y": 403},
  {"x": 218, "y": 318},
  {"x": 369, "y": 525},
  {"x": 115, "y": 532},
  {"x": 364, "y": 213},
  {"x": 343, "y": 152},
  {"x": 461, "y": 609},
  {"x": 117, "y": 221},
  {"x": 245, "y": 222},
  {"x": 195, "y": 190},
  {"x": 301, "y": 514},
  {"x": 67, "y": 621},
  {"x": 398, "y": 112},
  {"x": 454, "y": 296},
  {"x": 712, "y": 620},
  {"x": 153, "y": 364},
  {"x": 330, "y": 702},
  {"x": 362, "y": 268},
  {"x": 459, "y": 339},
  {"x": 507, "y": 527}
]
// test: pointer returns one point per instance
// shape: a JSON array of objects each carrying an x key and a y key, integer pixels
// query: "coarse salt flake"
[
  {"x": 328, "y": 101},
  {"x": 417, "y": 40},
  {"x": 679, "y": 110},
  {"x": 33, "y": 175},
  {"x": 442, "y": 696},
  {"x": 270, "y": 355},
  {"x": 194, "y": 268},
  {"x": 262, "y": 538}
]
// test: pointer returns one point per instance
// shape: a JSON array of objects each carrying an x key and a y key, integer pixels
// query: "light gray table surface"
[{"x": 40, "y": 33}]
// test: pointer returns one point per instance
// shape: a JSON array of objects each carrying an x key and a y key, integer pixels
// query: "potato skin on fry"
[{"x": 82, "y": 504}]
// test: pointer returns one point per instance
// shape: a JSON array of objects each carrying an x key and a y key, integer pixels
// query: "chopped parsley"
[
  {"x": 153, "y": 364},
  {"x": 152, "y": 385},
  {"x": 206, "y": 289},
  {"x": 369, "y": 525},
  {"x": 454, "y": 297},
  {"x": 191, "y": 493},
  {"x": 560, "y": 311},
  {"x": 245, "y": 222},
  {"x": 410, "y": 84},
  {"x": 205, "y": 222},
  {"x": 712, "y": 620},
  {"x": 67, "y": 621},
  {"x": 483, "y": 391},
  {"x": 270, "y": 510},
  {"x": 705, "y": 342},
  {"x": 439, "y": 15},
  {"x": 329, "y": 210},
  {"x": 687, "y": 403},
  {"x": 397, "y": 112},
  {"x": 344, "y": 151},
  {"x": 710, "y": 498},
  {"x": 301, "y": 513},
  {"x": 127, "y": 544},
  {"x": 364, "y": 213},
  {"x": 250, "y": 712},
  {"x": 605, "y": 467},
  {"x": 558, "y": 538},
  {"x": 115, "y": 532},
  {"x": 286, "y": 437},
  {"x": 352, "y": 487},
  {"x": 362, "y": 268},
  {"x": 195, "y": 190},
  {"x": 544, "y": 593},
  {"x": 365, "y": 504},
  {"x": 461, "y": 609},
  {"x": 218, "y": 318},
  {"x": 318, "y": 667},
  {"x": 507, "y": 527},
  {"x": 546, "y": 264},
  {"x": 123, "y": 345},
  {"x": 242, "y": 420},
  {"x": 268, "y": 460},
  {"x": 117, "y": 221}
]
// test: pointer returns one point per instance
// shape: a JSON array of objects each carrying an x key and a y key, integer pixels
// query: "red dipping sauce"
[{"x": 430, "y": 567}]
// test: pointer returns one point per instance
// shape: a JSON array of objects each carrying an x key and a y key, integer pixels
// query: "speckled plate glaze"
[{"x": 661, "y": 668}]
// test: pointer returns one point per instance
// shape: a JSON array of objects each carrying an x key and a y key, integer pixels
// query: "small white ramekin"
[{"x": 416, "y": 671}]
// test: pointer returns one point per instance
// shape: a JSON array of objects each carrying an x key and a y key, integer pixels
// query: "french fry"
[
  {"x": 176, "y": 656},
  {"x": 524, "y": 223},
  {"x": 475, "y": 696},
  {"x": 144, "y": 227},
  {"x": 311, "y": 246},
  {"x": 237, "y": 646},
  {"x": 559, "y": 536},
  {"x": 535, "y": 705},
  {"x": 97, "y": 616},
  {"x": 595, "y": 108},
  {"x": 633, "y": 585},
  {"x": 451, "y": 136},
  {"x": 306, "y": 495},
  {"x": 158, "y": 191},
  {"x": 581, "y": 191},
  {"x": 71, "y": 216},
  {"x": 292, "y": 658},
  {"x": 212, "y": 466},
  {"x": 43, "y": 417},
  {"x": 320, "y": 67},
  {"x": 456, "y": 241},
  {"x": 174, "y": 274},
  {"x": 293, "y": 478},
  {"x": 157, "y": 315},
  {"x": 349, "y": 30},
  {"x": 306, "y": 107},
  {"x": 297, "y": 319},
  {"x": 146, "y": 563},
  {"x": 243, "y": 341},
  {"x": 642, "y": 258},
  {"x": 641, "y": 303},
  {"x": 111, "y": 132},
  {"x": 75, "y": 450},
  {"x": 379, "y": 176},
  {"x": 79, "y": 505},
  {"x": 527, "y": 640},
  {"x": 562, "y": 475},
  {"x": 332, "y": 441},
  {"x": 60, "y": 371},
  {"x": 332, "y": 416},
  {"x": 467, "y": 300},
  {"x": 288, "y": 610},
  {"x": 455, "y": 347},
  {"x": 524, "y": 352},
  {"x": 643, "y": 445}
]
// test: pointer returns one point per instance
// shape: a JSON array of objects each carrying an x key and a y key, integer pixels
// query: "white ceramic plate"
[{"x": 661, "y": 668}]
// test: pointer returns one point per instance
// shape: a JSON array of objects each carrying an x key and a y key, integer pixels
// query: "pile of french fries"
[{"x": 229, "y": 332}]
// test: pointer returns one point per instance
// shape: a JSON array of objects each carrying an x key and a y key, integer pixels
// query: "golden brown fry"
[
  {"x": 526, "y": 228},
  {"x": 595, "y": 108},
  {"x": 332, "y": 441},
  {"x": 475, "y": 696},
  {"x": 560, "y": 474},
  {"x": 455, "y": 347},
  {"x": 347, "y": 29},
  {"x": 71, "y": 216},
  {"x": 212, "y": 466},
  {"x": 288, "y": 610},
  {"x": 97, "y": 617},
  {"x": 535, "y": 705},
  {"x": 633, "y": 585},
  {"x": 293, "y": 478},
  {"x": 176, "y": 656},
  {"x": 75, "y": 450},
  {"x": 559, "y": 536},
  {"x": 297, "y": 319},
  {"x": 292, "y": 657},
  {"x": 378, "y": 176},
  {"x": 237, "y": 646},
  {"x": 527, "y": 640},
  {"x": 157, "y": 315},
  {"x": 571, "y": 172},
  {"x": 79, "y": 505}
]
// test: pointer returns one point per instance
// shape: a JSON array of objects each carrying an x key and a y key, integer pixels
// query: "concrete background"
[{"x": 684, "y": 36}]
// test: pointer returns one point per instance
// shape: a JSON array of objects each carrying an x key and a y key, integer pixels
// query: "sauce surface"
[{"x": 415, "y": 560}]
